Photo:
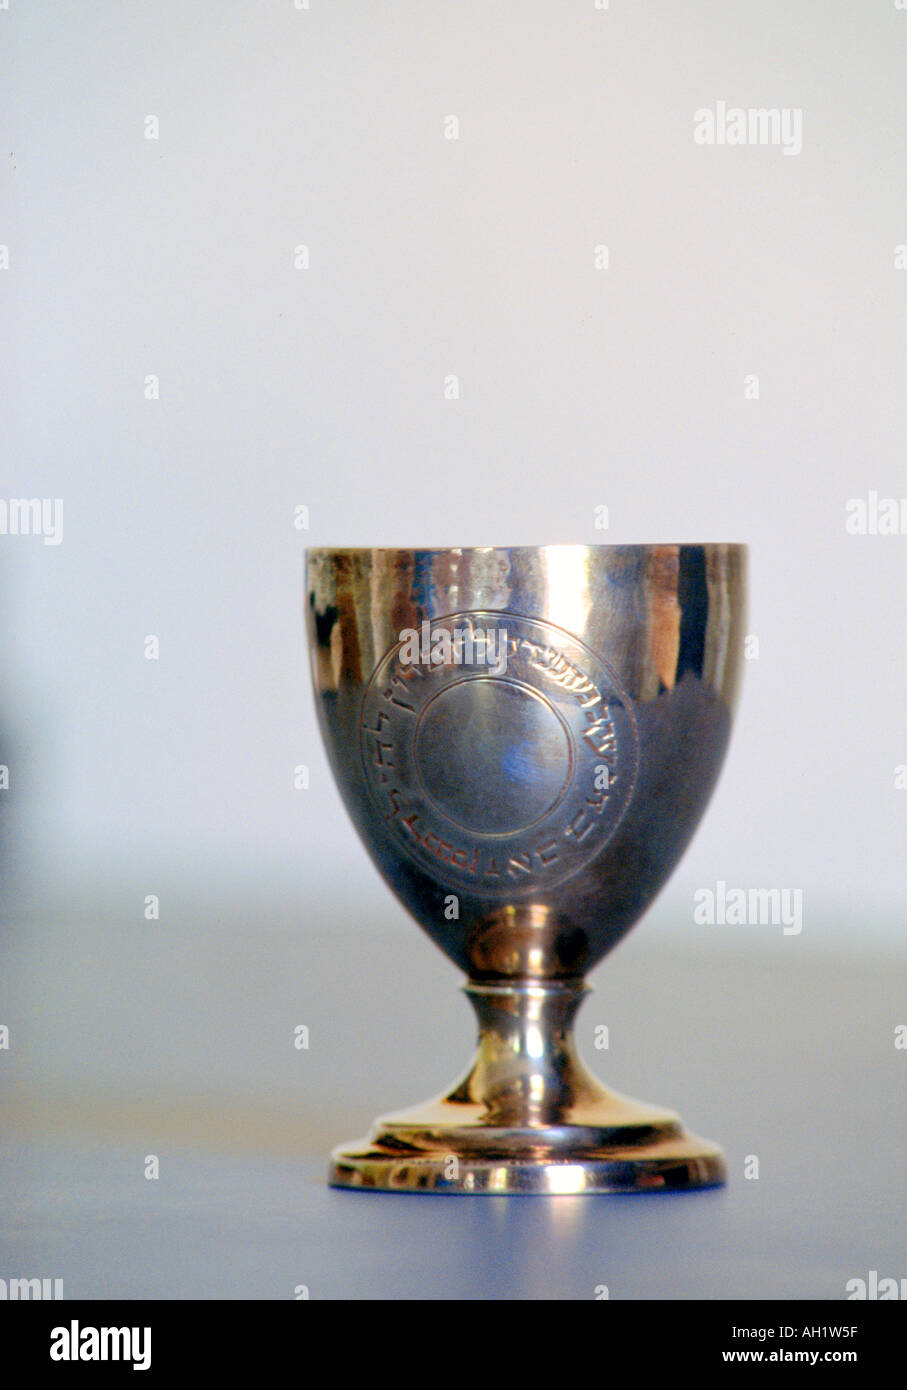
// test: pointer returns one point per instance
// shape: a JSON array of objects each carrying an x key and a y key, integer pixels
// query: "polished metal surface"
[{"x": 525, "y": 740}]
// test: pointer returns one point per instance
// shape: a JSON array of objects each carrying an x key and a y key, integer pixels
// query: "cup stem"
[{"x": 527, "y": 1070}]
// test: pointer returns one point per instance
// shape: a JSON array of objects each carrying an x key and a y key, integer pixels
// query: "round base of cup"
[{"x": 562, "y": 1160}]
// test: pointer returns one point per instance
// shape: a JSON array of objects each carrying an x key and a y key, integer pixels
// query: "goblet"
[{"x": 525, "y": 739}]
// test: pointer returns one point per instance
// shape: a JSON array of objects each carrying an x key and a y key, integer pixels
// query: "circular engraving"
[
  {"x": 500, "y": 751},
  {"x": 491, "y": 735}
]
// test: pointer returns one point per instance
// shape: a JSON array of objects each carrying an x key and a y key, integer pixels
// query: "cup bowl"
[{"x": 551, "y": 783}]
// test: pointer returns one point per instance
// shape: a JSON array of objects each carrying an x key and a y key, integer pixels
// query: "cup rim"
[{"x": 741, "y": 546}]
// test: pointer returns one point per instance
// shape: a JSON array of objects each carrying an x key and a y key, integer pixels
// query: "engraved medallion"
[{"x": 505, "y": 753}]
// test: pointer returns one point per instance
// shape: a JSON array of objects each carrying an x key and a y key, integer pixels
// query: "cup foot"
[{"x": 407, "y": 1155}]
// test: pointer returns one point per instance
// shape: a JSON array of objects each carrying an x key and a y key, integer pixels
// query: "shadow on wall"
[{"x": 26, "y": 752}]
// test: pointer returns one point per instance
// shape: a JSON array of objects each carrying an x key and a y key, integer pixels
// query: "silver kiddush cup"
[{"x": 526, "y": 740}]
